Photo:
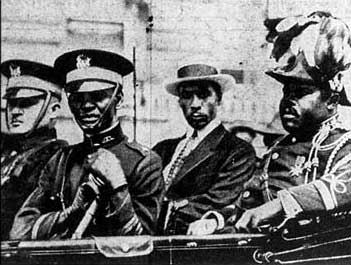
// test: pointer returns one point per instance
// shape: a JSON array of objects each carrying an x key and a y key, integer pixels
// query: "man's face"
[
  {"x": 302, "y": 108},
  {"x": 199, "y": 104},
  {"x": 22, "y": 113},
  {"x": 89, "y": 107}
]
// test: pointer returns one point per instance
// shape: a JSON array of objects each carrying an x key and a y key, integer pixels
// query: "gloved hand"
[
  {"x": 84, "y": 197},
  {"x": 202, "y": 227},
  {"x": 106, "y": 167}
]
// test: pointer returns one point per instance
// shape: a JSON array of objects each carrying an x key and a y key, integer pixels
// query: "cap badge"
[
  {"x": 83, "y": 61},
  {"x": 15, "y": 71}
]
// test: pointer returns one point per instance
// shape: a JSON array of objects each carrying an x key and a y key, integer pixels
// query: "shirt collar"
[{"x": 201, "y": 134}]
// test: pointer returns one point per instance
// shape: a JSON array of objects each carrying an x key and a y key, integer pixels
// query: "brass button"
[
  {"x": 275, "y": 156},
  {"x": 246, "y": 194}
]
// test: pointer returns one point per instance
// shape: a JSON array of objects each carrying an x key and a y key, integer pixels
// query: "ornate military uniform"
[
  {"x": 321, "y": 161},
  {"x": 308, "y": 175}
]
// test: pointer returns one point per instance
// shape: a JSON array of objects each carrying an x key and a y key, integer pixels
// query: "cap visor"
[
  {"x": 22, "y": 93},
  {"x": 89, "y": 86}
]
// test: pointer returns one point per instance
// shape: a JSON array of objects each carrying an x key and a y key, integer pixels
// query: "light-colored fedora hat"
[{"x": 200, "y": 72}]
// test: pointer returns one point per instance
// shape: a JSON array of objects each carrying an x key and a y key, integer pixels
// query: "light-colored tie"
[{"x": 178, "y": 162}]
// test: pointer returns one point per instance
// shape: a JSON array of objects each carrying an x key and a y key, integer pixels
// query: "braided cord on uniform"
[
  {"x": 312, "y": 163},
  {"x": 342, "y": 141}
]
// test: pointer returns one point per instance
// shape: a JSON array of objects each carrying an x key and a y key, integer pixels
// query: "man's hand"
[
  {"x": 83, "y": 198},
  {"x": 252, "y": 218},
  {"x": 202, "y": 227},
  {"x": 107, "y": 167}
]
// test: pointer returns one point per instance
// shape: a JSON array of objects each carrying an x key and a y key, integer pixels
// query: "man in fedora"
[
  {"x": 205, "y": 168},
  {"x": 33, "y": 95},
  {"x": 309, "y": 170},
  {"x": 106, "y": 185}
]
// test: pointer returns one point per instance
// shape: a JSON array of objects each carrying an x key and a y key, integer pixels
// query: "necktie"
[{"x": 178, "y": 162}]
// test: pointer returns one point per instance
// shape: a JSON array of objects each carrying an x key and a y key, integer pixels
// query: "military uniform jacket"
[
  {"x": 311, "y": 175},
  {"x": 211, "y": 177},
  {"x": 129, "y": 210},
  {"x": 22, "y": 160}
]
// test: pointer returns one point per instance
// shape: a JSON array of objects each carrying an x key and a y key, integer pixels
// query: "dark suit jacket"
[{"x": 211, "y": 177}]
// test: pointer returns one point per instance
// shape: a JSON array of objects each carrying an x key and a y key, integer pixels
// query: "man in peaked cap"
[
  {"x": 105, "y": 185},
  {"x": 309, "y": 170},
  {"x": 205, "y": 168},
  {"x": 33, "y": 94}
]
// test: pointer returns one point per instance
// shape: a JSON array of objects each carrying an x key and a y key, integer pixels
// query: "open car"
[{"x": 311, "y": 240}]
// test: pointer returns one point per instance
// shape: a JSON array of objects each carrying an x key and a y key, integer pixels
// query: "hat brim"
[
  {"x": 225, "y": 82},
  {"x": 271, "y": 131},
  {"x": 284, "y": 79},
  {"x": 22, "y": 93},
  {"x": 88, "y": 86},
  {"x": 257, "y": 127}
]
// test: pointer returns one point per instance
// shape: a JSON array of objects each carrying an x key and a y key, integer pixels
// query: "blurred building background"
[{"x": 166, "y": 34}]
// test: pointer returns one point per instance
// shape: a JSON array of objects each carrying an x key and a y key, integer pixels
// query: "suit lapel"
[{"x": 202, "y": 152}]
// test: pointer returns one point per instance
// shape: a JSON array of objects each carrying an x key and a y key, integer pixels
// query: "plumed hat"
[{"x": 314, "y": 49}]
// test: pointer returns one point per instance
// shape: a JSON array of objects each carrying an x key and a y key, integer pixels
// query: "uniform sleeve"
[
  {"x": 30, "y": 214},
  {"x": 331, "y": 192},
  {"x": 24, "y": 181},
  {"x": 136, "y": 208},
  {"x": 229, "y": 179},
  {"x": 39, "y": 218}
]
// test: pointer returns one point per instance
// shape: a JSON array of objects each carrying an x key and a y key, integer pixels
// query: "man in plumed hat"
[
  {"x": 33, "y": 95},
  {"x": 309, "y": 170},
  {"x": 106, "y": 185},
  {"x": 205, "y": 168}
]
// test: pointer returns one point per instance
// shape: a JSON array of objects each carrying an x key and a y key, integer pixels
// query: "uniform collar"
[{"x": 113, "y": 134}]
